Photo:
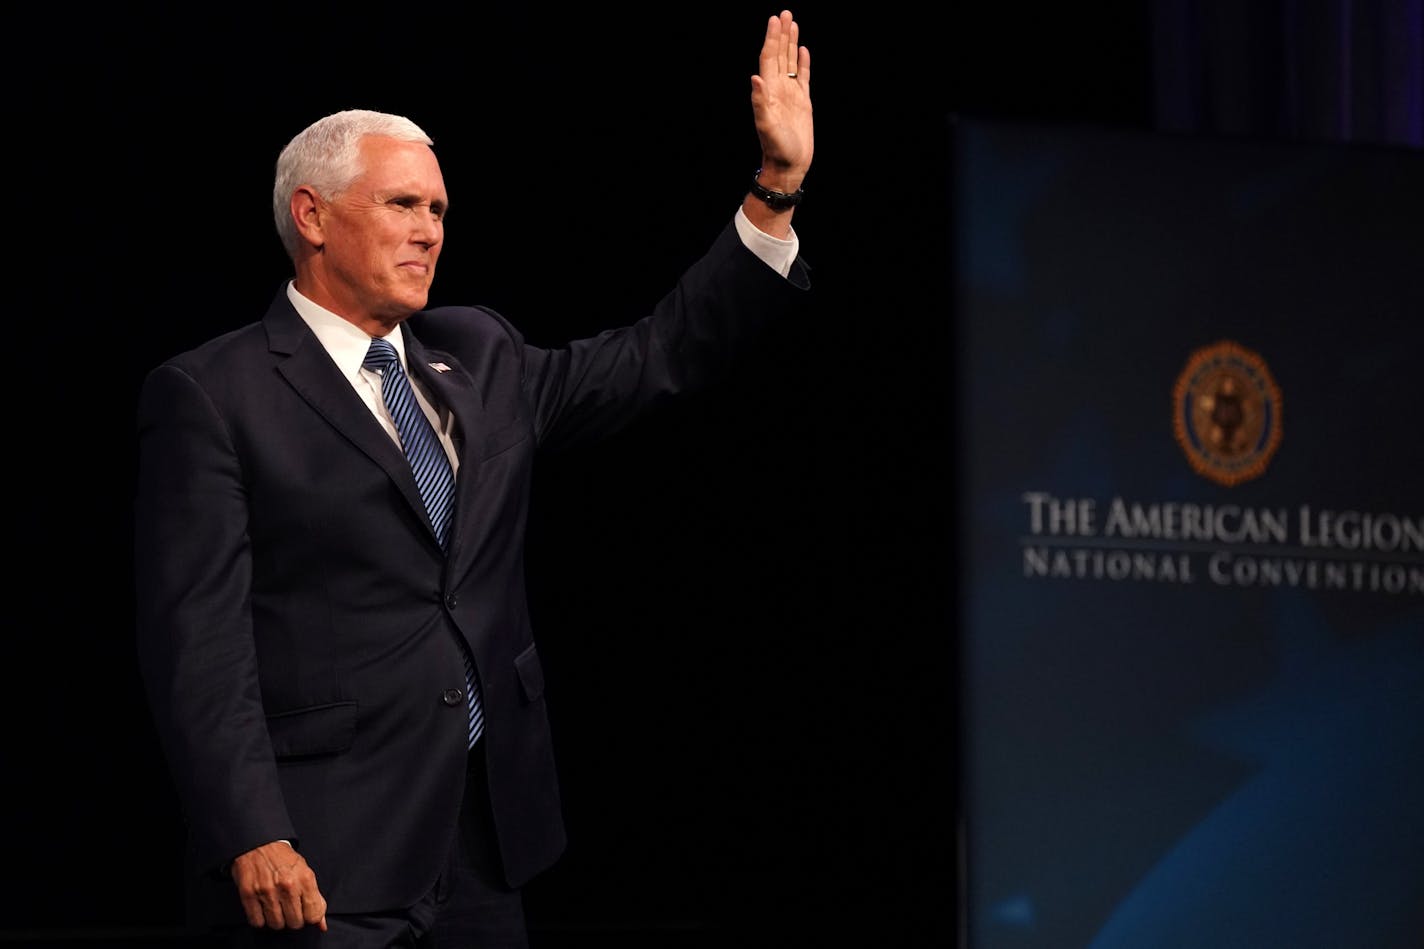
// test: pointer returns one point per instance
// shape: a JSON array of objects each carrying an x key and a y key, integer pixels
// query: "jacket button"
[
  {"x": 452, "y": 696},
  {"x": 451, "y": 599}
]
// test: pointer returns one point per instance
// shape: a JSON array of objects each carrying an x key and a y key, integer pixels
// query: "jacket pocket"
[
  {"x": 317, "y": 730},
  {"x": 504, "y": 438},
  {"x": 531, "y": 673}
]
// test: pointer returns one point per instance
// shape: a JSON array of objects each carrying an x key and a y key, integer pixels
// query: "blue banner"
[{"x": 1190, "y": 434}]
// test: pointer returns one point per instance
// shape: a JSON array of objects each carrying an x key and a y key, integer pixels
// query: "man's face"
[{"x": 383, "y": 234}]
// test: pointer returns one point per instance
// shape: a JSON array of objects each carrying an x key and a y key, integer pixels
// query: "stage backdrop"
[{"x": 1191, "y": 438}]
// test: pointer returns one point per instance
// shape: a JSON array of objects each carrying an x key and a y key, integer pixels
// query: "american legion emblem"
[{"x": 1227, "y": 413}]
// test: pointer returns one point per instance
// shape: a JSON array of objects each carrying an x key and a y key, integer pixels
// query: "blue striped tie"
[{"x": 433, "y": 476}]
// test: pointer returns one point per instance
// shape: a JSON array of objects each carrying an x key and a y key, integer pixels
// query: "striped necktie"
[{"x": 433, "y": 476}]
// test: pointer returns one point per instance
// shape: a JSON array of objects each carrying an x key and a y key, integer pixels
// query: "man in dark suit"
[{"x": 334, "y": 636}]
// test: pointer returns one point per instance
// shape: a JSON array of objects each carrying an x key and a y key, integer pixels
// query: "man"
[{"x": 332, "y": 621}]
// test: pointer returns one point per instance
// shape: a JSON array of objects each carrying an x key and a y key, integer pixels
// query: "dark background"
[{"x": 744, "y": 605}]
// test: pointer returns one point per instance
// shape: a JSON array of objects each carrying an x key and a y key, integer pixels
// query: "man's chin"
[{"x": 415, "y": 301}]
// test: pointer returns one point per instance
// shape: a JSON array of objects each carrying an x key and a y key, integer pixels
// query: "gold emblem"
[{"x": 1227, "y": 413}]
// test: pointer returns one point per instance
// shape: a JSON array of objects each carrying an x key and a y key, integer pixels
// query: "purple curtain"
[{"x": 1333, "y": 70}]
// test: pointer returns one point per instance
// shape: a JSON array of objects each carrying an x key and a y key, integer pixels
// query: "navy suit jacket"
[{"x": 298, "y": 623}]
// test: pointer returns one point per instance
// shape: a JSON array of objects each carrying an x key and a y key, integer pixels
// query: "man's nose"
[{"x": 428, "y": 228}]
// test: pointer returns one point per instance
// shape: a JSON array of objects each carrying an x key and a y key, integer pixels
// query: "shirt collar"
[{"x": 346, "y": 343}]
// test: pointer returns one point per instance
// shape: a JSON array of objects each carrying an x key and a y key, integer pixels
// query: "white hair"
[{"x": 326, "y": 155}]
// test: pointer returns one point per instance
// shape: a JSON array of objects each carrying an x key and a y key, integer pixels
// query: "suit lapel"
[{"x": 310, "y": 371}]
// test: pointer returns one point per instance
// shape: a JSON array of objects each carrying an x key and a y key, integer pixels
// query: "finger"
[
  {"x": 300, "y": 901},
  {"x": 315, "y": 907},
  {"x": 271, "y": 915},
  {"x": 792, "y": 32},
  {"x": 253, "y": 910},
  {"x": 263, "y": 905},
  {"x": 291, "y": 905},
  {"x": 769, "y": 62}
]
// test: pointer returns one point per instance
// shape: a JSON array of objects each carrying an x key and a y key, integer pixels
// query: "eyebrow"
[{"x": 409, "y": 197}]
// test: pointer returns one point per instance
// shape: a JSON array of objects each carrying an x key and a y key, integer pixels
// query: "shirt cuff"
[{"x": 777, "y": 254}]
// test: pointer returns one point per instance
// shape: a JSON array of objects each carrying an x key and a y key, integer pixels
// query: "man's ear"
[{"x": 309, "y": 213}]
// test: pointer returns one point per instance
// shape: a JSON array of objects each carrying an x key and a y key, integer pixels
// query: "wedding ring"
[{"x": 791, "y": 75}]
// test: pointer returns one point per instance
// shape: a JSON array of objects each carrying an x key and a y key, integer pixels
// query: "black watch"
[{"x": 776, "y": 200}]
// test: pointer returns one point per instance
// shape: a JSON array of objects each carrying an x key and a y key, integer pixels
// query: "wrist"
[{"x": 779, "y": 195}]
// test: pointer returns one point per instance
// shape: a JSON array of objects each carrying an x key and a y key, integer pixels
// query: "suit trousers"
[{"x": 470, "y": 906}]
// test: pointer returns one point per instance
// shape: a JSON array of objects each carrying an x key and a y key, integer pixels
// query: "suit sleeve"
[
  {"x": 194, "y": 631},
  {"x": 592, "y": 387}
]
